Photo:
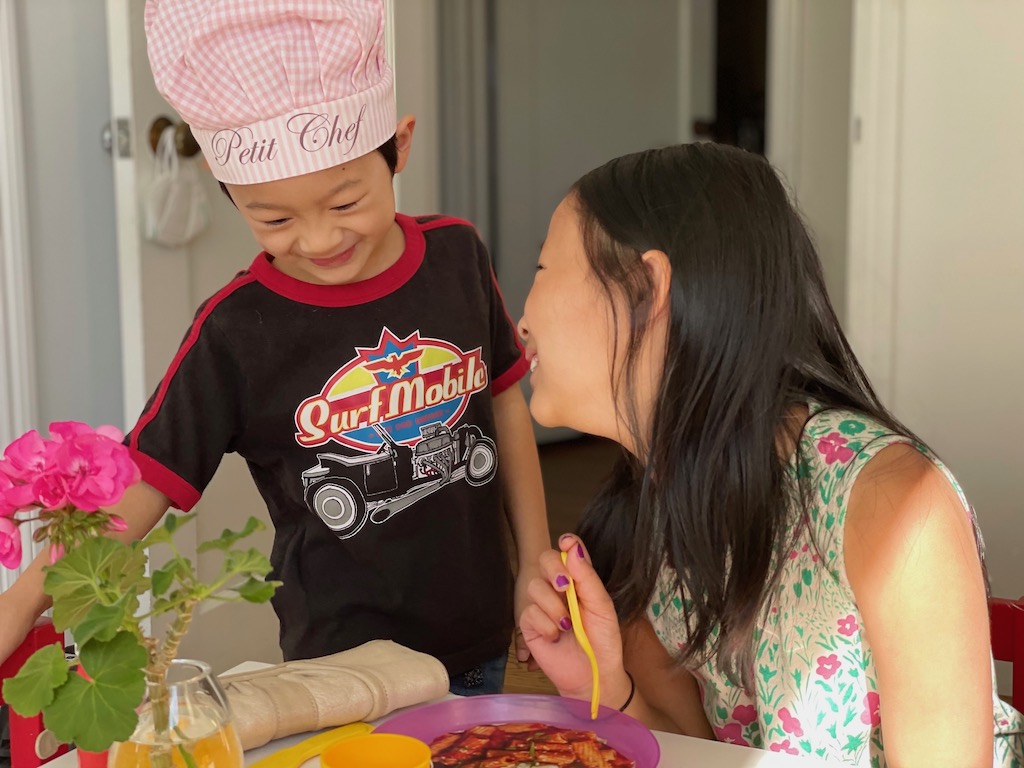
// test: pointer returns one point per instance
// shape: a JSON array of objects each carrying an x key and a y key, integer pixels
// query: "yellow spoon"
[
  {"x": 581, "y": 638},
  {"x": 294, "y": 756}
]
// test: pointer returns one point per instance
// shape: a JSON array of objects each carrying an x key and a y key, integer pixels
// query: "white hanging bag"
[{"x": 175, "y": 208}]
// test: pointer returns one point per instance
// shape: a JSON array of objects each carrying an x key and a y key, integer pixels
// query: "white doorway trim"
[
  {"x": 874, "y": 187},
  {"x": 784, "y": 98},
  {"x": 18, "y": 407}
]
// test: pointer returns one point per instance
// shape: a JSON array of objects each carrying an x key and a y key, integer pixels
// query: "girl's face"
[{"x": 567, "y": 329}]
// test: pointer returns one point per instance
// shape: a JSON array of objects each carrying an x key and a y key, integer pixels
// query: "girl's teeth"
[{"x": 533, "y": 364}]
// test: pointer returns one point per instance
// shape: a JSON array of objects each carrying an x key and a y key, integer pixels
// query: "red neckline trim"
[{"x": 351, "y": 294}]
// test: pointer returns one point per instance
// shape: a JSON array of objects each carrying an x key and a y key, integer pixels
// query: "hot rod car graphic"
[{"x": 346, "y": 491}]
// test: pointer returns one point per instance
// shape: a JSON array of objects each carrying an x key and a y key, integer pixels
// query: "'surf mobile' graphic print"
[{"x": 399, "y": 403}]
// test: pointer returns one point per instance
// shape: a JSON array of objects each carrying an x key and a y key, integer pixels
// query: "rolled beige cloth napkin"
[{"x": 363, "y": 683}]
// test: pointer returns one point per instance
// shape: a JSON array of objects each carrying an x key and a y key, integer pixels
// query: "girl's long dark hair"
[{"x": 752, "y": 333}]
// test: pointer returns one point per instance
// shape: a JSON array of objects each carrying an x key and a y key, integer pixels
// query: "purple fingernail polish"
[
  {"x": 565, "y": 623},
  {"x": 579, "y": 550},
  {"x": 561, "y": 582}
]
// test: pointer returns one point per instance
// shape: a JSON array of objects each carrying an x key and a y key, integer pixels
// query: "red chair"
[
  {"x": 26, "y": 744},
  {"x": 1006, "y": 619}
]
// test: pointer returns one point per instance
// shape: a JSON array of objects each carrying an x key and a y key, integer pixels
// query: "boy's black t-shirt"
[{"x": 365, "y": 414}]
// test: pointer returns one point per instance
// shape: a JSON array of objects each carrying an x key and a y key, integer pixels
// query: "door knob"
[{"x": 184, "y": 142}]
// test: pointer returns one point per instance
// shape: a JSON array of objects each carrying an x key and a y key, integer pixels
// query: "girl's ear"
[
  {"x": 403, "y": 140},
  {"x": 660, "y": 271}
]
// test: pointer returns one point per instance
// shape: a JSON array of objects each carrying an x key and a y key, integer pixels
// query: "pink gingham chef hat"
[{"x": 274, "y": 88}]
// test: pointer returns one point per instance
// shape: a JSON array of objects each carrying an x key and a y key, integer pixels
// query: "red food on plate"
[{"x": 524, "y": 745}]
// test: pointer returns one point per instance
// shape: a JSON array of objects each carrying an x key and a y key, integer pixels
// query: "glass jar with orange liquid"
[{"x": 187, "y": 714}]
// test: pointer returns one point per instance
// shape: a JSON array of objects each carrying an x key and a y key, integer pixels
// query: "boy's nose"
[{"x": 320, "y": 241}]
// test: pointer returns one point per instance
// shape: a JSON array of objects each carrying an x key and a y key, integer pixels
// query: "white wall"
[
  {"x": 416, "y": 86},
  {"x": 808, "y": 126},
  {"x": 944, "y": 253},
  {"x": 71, "y": 210}
]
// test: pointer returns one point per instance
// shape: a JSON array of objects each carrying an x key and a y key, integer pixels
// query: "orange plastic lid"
[{"x": 377, "y": 750}]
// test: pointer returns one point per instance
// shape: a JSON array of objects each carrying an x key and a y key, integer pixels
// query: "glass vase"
[{"x": 184, "y": 721}]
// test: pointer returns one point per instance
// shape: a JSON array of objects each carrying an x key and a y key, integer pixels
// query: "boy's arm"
[
  {"x": 142, "y": 506},
  {"x": 523, "y": 492}
]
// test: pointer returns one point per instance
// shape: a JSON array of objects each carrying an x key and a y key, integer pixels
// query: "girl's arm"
[
  {"x": 913, "y": 564},
  {"x": 519, "y": 470},
  {"x": 142, "y": 506},
  {"x": 667, "y": 697}
]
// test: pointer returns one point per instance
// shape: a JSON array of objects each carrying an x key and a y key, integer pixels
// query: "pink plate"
[{"x": 629, "y": 737}]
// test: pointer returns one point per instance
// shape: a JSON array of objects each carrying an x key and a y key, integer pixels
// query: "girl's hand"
[{"x": 547, "y": 628}]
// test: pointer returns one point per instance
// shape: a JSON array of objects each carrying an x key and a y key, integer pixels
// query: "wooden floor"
[{"x": 573, "y": 471}]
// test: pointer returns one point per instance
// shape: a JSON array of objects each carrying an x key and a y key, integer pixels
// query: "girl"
[{"x": 776, "y": 561}]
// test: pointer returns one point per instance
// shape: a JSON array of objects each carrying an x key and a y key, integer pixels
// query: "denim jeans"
[{"x": 483, "y": 679}]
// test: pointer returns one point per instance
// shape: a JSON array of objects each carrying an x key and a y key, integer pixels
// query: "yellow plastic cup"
[{"x": 377, "y": 750}]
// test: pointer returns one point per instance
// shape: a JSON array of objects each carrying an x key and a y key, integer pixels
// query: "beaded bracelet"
[{"x": 632, "y": 690}]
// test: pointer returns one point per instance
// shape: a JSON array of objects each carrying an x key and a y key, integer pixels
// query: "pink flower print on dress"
[
  {"x": 784, "y": 746},
  {"x": 10, "y": 544},
  {"x": 847, "y": 625},
  {"x": 828, "y": 665},
  {"x": 834, "y": 448},
  {"x": 744, "y": 714},
  {"x": 731, "y": 733},
  {"x": 790, "y": 724},
  {"x": 870, "y": 715}
]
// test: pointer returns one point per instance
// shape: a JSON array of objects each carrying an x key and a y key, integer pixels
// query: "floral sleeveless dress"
[{"x": 816, "y": 691}]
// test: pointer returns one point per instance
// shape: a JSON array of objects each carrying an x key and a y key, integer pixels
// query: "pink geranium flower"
[
  {"x": 828, "y": 665},
  {"x": 784, "y": 746},
  {"x": 94, "y": 468},
  {"x": 870, "y": 715},
  {"x": 834, "y": 448},
  {"x": 847, "y": 625},
  {"x": 790, "y": 724},
  {"x": 744, "y": 714},
  {"x": 28, "y": 457},
  {"x": 13, "y": 498},
  {"x": 731, "y": 733},
  {"x": 10, "y": 544}
]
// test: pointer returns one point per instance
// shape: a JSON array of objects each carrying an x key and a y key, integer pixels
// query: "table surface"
[{"x": 676, "y": 750}]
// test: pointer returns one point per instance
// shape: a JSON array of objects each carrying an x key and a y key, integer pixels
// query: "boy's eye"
[
  {"x": 539, "y": 266},
  {"x": 276, "y": 222},
  {"x": 346, "y": 207}
]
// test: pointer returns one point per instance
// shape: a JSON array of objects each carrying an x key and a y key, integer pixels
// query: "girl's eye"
[
  {"x": 539, "y": 266},
  {"x": 345, "y": 207},
  {"x": 276, "y": 222}
]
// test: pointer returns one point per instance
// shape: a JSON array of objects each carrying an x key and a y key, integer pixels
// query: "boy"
[{"x": 363, "y": 365}]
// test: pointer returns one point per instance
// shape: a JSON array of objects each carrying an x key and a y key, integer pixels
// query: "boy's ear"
[{"x": 403, "y": 140}]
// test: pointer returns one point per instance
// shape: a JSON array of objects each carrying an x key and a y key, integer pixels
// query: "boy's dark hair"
[
  {"x": 389, "y": 150},
  {"x": 752, "y": 334}
]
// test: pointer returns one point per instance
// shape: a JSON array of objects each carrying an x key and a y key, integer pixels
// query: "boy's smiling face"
[{"x": 330, "y": 227}]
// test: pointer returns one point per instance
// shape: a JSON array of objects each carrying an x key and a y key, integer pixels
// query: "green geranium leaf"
[
  {"x": 257, "y": 590},
  {"x": 162, "y": 580},
  {"x": 99, "y": 571},
  {"x": 29, "y": 691},
  {"x": 228, "y": 537},
  {"x": 97, "y": 712},
  {"x": 250, "y": 562},
  {"x": 164, "y": 534},
  {"x": 103, "y": 621}
]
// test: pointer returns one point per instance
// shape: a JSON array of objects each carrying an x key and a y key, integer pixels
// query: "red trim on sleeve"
[
  {"x": 181, "y": 493},
  {"x": 175, "y": 482},
  {"x": 510, "y": 377}
]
